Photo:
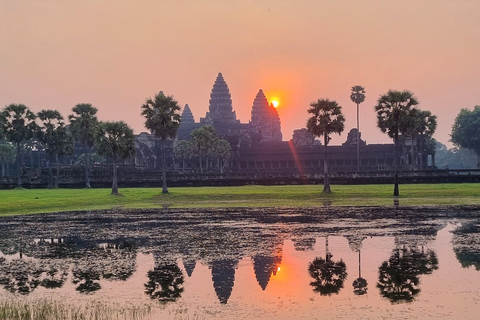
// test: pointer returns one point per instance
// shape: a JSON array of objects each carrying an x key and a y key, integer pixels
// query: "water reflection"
[
  {"x": 223, "y": 277},
  {"x": 165, "y": 282},
  {"x": 86, "y": 275},
  {"x": 360, "y": 284},
  {"x": 328, "y": 275},
  {"x": 466, "y": 244},
  {"x": 398, "y": 278},
  {"x": 229, "y": 258}
]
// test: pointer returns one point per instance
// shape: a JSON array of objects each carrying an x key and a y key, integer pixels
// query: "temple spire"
[{"x": 265, "y": 120}]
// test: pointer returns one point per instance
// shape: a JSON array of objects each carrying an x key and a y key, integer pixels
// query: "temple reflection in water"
[{"x": 240, "y": 256}]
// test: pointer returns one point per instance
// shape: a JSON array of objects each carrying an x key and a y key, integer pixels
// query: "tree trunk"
[
  {"x": 359, "y": 265},
  {"x": 421, "y": 151},
  {"x": 183, "y": 165},
  {"x": 164, "y": 169},
  {"x": 326, "y": 182},
  {"x": 3, "y": 169},
  {"x": 358, "y": 142},
  {"x": 115, "y": 178},
  {"x": 19, "y": 167},
  {"x": 412, "y": 154},
  {"x": 50, "y": 171},
  {"x": 57, "y": 176},
  {"x": 31, "y": 157},
  {"x": 201, "y": 166},
  {"x": 87, "y": 168},
  {"x": 395, "y": 178}
]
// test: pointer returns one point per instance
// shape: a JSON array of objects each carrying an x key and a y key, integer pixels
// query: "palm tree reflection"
[
  {"x": 85, "y": 274},
  {"x": 56, "y": 273},
  {"x": 20, "y": 276},
  {"x": 359, "y": 284},
  {"x": 355, "y": 243},
  {"x": 165, "y": 283},
  {"x": 328, "y": 275},
  {"x": 398, "y": 278}
]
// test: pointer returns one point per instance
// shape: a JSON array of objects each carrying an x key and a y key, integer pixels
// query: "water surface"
[{"x": 249, "y": 264}]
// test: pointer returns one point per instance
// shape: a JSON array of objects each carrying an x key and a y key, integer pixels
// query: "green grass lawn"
[{"x": 27, "y": 201}]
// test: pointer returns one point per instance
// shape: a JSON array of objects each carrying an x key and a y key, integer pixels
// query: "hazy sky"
[{"x": 115, "y": 54}]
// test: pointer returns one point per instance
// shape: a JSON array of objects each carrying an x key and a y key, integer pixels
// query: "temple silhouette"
[{"x": 258, "y": 147}]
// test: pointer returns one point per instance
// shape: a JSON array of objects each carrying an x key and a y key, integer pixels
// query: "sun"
[{"x": 275, "y": 103}]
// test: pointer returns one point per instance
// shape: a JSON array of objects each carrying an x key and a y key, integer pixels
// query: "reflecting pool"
[{"x": 331, "y": 263}]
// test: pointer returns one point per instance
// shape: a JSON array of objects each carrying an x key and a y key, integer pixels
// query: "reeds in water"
[{"x": 46, "y": 309}]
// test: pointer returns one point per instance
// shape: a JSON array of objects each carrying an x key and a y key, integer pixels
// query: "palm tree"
[
  {"x": 50, "y": 134},
  {"x": 358, "y": 96},
  {"x": 18, "y": 126},
  {"x": 115, "y": 140},
  {"x": 392, "y": 110},
  {"x": 162, "y": 118},
  {"x": 327, "y": 118},
  {"x": 83, "y": 123}
]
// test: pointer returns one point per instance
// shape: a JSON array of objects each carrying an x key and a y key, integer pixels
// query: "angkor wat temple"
[
  {"x": 258, "y": 153},
  {"x": 258, "y": 148}
]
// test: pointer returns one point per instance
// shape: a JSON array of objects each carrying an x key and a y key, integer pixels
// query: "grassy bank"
[{"x": 26, "y": 201}]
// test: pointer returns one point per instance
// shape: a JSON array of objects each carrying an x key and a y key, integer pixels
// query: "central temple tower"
[
  {"x": 220, "y": 104},
  {"x": 265, "y": 120}
]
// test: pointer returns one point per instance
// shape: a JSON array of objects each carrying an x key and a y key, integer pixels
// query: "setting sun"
[{"x": 275, "y": 103}]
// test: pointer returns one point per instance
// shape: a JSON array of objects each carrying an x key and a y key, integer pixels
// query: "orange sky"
[{"x": 115, "y": 54}]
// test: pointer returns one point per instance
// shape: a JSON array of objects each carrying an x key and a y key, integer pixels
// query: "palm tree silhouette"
[
  {"x": 398, "y": 278},
  {"x": 165, "y": 282},
  {"x": 328, "y": 275},
  {"x": 360, "y": 284}
]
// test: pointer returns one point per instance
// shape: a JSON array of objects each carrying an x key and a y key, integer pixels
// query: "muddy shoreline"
[{"x": 327, "y": 212}]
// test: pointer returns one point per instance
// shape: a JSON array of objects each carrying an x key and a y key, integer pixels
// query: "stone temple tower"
[
  {"x": 220, "y": 109},
  {"x": 265, "y": 120},
  {"x": 187, "y": 124}
]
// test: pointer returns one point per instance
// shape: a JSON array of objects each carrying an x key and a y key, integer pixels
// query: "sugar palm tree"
[
  {"x": 358, "y": 96},
  {"x": 83, "y": 123},
  {"x": 115, "y": 140},
  {"x": 162, "y": 118},
  {"x": 18, "y": 126},
  {"x": 327, "y": 118},
  {"x": 392, "y": 110},
  {"x": 52, "y": 135}
]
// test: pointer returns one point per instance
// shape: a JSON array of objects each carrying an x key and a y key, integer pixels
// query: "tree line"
[
  {"x": 20, "y": 126},
  {"x": 397, "y": 115}
]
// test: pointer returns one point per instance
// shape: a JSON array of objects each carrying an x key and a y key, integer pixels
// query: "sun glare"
[{"x": 275, "y": 103}]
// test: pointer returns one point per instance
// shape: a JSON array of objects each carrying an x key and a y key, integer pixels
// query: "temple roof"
[
  {"x": 220, "y": 108},
  {"x": 187, "y": 115}
]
